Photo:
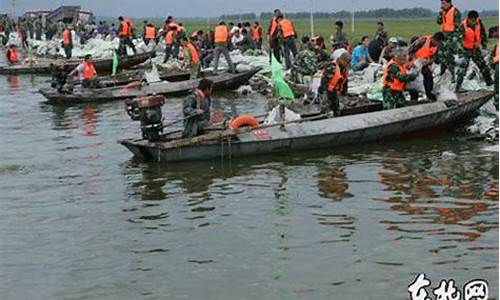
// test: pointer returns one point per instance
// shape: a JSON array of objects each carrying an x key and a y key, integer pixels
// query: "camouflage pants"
[
  {"x": 296, "y": 76},
  {"x": 446, "y": 53},
  {"x": 194, "y": 71},
  {"x": 393, "y": 99},
  {"x": 475, "y": 56},
  {"x": 330, "y": 103}
]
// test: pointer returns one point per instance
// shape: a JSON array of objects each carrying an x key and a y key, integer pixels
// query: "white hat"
[
  {"x": 394, "y": 40},
  {"x": 338, "y": 53}
]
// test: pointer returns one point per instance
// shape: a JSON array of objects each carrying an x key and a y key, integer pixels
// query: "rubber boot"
[
  {"x": 458, "y": 87},
  {"x": 487, "y": 78}
]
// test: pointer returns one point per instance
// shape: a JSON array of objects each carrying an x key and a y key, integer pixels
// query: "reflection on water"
[
  {"x": 441, "y": 193},
  {"x": 80, "y": 218},
  {"x": 333, "y": 184},
  {"x": 13, "y": 84}
]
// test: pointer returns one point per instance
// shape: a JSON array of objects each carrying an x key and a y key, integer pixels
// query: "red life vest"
[
  {"x": 12, "y": 55},
  {"x": 221, "y": 34},
  {"x": 88, "y": 71},
  {"x": 395, "y": 84},
  {"x": 150, "y": 32},
  {"x": 125, "y": 31},
  {"x": 195, "y": 58},
  {"x": 287, "y": 28},
  {"x": 169, "y": 39},
  {"x": 274, "y": 26},
  {"x": 337, "y": 81},
  {"x": 66, "y": 37},
  {"x": 448, "y": 18},
  {"x": 472, "y": 37},
  {"x": 495, "y": 58},
  {"x": 426, "y": 51},
  {"x": 257, "y": 34}
]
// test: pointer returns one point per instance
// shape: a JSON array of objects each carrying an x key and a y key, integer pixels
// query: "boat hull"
[
  {"x": 221, "y": 82},
  {"x": 102, "y": 66},
  {"x": 328, "y": 133}
]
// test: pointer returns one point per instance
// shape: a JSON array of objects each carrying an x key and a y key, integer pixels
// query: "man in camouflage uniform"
[
  {"x": 305, "y": 63},
  {"x": 394, "y": 98},
  {"x": 449, "y": 18},
  {"x": 334, "y": 82},
  {"x": 471, "y": 49}
]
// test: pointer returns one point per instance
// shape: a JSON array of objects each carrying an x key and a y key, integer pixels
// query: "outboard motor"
[{"x": 148, "y": 111}]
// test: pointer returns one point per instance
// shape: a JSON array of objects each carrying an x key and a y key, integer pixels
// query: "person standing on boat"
[
  {"x": 395, "y": 78},
  {"x": 305, "y": 63},
  {"x": 125, "y": 34},
  {"x": 149, "y": 33},
  {"x": 86, "y": 72},
  {"x": 257, "y": 35},
  {"x": 191, "y": 58},
  {"x": 289, "y": 34},
  {"x": 449, "y": 18},
  {"x": 426, "y": 49},
  {"x": 67, "y": 42},
  {"x": 474, "y": 39},
  {"x": 334, "y": 82},
  {"x": 221, "y": 40},
  {"x": 274, "y": 36},
  {"x": 170, "y": 37},
  {"x": 196, "y": 109}
]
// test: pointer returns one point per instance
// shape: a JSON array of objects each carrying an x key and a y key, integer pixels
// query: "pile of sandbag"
[{"x": 249, "y": 60}]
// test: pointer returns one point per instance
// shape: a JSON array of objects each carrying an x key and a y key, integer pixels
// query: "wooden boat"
[
  {"x": 102, "y": 66},
  {"x": 223, "y": 81},
  {"x": 129, "y": 76},
  {"x": 311, "y": 134}
]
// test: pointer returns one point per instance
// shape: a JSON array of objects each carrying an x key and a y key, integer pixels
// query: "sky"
[{"x": 215, "y": 8}]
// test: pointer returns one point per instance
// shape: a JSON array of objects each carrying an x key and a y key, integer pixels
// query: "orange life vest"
[
  {"x": 150, "y": 32},
  {"x": 287, "y": 28},
  {"x": 88, "y": 71},
  {"x": 448, "y": 20},
  {"x": 221, "y": 34},
  {"x": 274, "y": 26},
  {"x": 169, "y": 39},
  {"x": 426, "y": 51},
  {"x": 257, "y": 33},
  {"x": 125, "y": 29},
  {"x": 337, "y": 81},
  {"x": 472, "y": 37},
  {"x": 395, "y": 84},
  {"x": 195, "y": 58},
  {"x": 66, "y": 37},
  {"x": 12, "y": 55},
  {"x": 495, "y": 58}
]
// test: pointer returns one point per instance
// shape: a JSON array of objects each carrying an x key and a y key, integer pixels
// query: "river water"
[{"x": 81, "y": 219}]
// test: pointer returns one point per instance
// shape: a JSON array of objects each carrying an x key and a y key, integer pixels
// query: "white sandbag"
[
  {"x": 152, "y": 76},
  {"x": 244, "y": 90},
  {"x": 370, "y": 73},
  {"x": 274, "y": 116}
]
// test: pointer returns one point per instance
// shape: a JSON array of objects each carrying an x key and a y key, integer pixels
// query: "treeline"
[{"x": 416, "y": 13}]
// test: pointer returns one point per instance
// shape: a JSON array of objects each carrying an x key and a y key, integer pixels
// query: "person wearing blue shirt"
[{"x": 360, "y": 57}]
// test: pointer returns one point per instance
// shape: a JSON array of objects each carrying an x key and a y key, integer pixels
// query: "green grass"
[{"x": 404, "y": 28}]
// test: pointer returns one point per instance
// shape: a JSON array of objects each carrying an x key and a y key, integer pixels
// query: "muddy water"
[{"x": 81, "y": 219}]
